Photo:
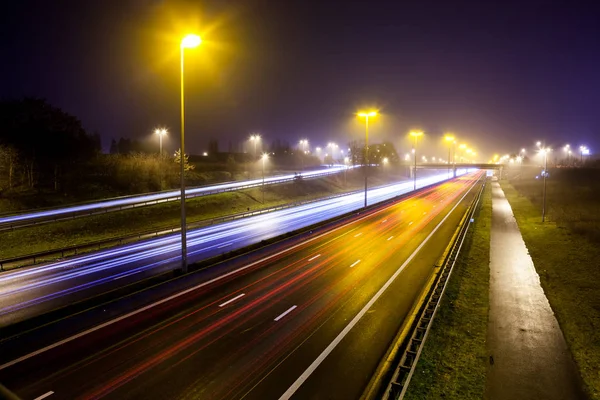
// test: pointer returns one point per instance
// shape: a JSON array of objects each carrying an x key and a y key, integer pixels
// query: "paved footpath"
[{"x": 529, "y": 358}]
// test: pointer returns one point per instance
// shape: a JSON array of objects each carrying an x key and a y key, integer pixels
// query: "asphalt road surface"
[
  {"x": 32, "y": 291},
  {"x": 309, "y": 320}
]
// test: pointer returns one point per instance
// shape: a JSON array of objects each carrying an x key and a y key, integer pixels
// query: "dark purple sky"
[{"x": 500, "y": 74}]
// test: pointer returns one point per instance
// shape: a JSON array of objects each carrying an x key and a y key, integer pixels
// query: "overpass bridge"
[
  {"x": 455, "y": 167},
  {"x": 459, "y": 166}
]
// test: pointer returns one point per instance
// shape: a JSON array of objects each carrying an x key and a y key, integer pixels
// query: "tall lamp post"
[
  {"x": 544, "y": 152},
  {"x": 415, "y": 135},
  {"x": 346, "y": 161},
  {"x": 188, "y": 42},
  {"x": 255, "y": 139},
  {"x": 567, "y": 150},
  {"x": 450, "y": 140},
  {"x": 366, "y": 116},
  {"x": 160, "y": 133},
  {"x": 264, "y": 159},
  {"x": 303, "y": 145},
  {"x": 584, "y": 151}
]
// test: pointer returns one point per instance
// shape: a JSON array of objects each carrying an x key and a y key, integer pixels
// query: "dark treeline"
[
  {"x": 45, "y": 150},
  {"x": 39, "y": 143}
]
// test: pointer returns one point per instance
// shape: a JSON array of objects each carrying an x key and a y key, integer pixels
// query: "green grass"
[
  {"x": 566, "y": 258},
  {"x": 454, "y": 360},
  {"x": 130, "y": 222}
]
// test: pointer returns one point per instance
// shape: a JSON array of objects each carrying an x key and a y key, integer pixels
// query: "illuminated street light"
[
  {"x": 332, "y": 146},
  {"x": 188, "y": 42},
  {"x": 255, "y": 139},
  {"x": 451, "y": 142},
  {"x": 567, "y": 150},
  {"x": 346, "y": 162},
  {"x": 160, "y": 132},
  {"x": 264, "y": 158},
  {"x": 544, "y": 152},
  {"x": 462, "y": 147},
  {"x": 583, "y": 150},
  {"x": 416, "y": 135},
  {"x": 303, "y": 145},
  {"x": 366, "y": 116},
  {"x": 385, "y": 160}
]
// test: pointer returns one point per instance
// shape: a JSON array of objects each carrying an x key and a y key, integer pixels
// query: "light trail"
[
  {"x": 21, "y": 289},
  {"x": 132, "y": 201},
  {"x": 187, "y": 330}
]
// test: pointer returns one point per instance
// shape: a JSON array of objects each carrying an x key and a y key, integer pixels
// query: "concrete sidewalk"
[{"x": 529, "y": 358}]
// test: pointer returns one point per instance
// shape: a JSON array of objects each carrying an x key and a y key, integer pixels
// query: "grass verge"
[
  {"x": 453, "y": 362},
  {"x": 569, "y": 271}
]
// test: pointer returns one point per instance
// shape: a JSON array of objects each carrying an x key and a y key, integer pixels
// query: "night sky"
[{"x": 499, "y": 74}]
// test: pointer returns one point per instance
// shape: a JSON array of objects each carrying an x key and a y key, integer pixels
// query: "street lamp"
[
  {"x": 544, "y": 152},
  {"x": 366, "y": 116},
  {"x": 415, "y": 134},
  {"x": 567, "y": 150},
  {"x": 346, "y": 162},
  {"x": 188, "y": 42},
  {"x": 264, "y": 159},
  {"x": 255, "y": 139},
  {"x": 303, "y": 145},
  {"x": 583, "y": 151},
  {"x": 450, "y": 140},
  {"x": 160, "y": 133}
]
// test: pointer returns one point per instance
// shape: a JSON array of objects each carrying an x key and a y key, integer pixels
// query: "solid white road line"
[
  {"x": 302, "y": 378},
  {"x": 385, "y": 220},
  {"x": 232, "y": 300},
  {"x": 315, "y": 257},
  {"x": 179, "y": 294},
  {"x": 355, "y": 262},
  {"x": 286, "y": 313},
  {"x": 410, "y": 223},
  {"x": 50, "y": 393},
  {"x": 390, "y": 238},
  {"x": 225, "y": 245},
  {"x": 358, "y": 234}
]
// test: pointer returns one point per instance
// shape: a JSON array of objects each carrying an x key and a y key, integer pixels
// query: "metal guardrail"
[
  {"x": 402, "y": 375},
  {"x": 44, "y": 220},
  {"x": 44, "y": 256}
]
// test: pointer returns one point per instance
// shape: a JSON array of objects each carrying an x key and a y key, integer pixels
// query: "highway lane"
[
  {"x": 26, "y": 219},
  {"x": 32, "y": 291},
  {"x": 253, "y": 333}
]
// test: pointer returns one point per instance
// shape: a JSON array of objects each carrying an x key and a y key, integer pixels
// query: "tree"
[
  {"x": 231, "y": 164},
  {"x": 114, "y": 148},
  {"x": 47, "y": 139},
  {"x": 8, "y": 165},
  {"x": 186, "y": 164}
]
